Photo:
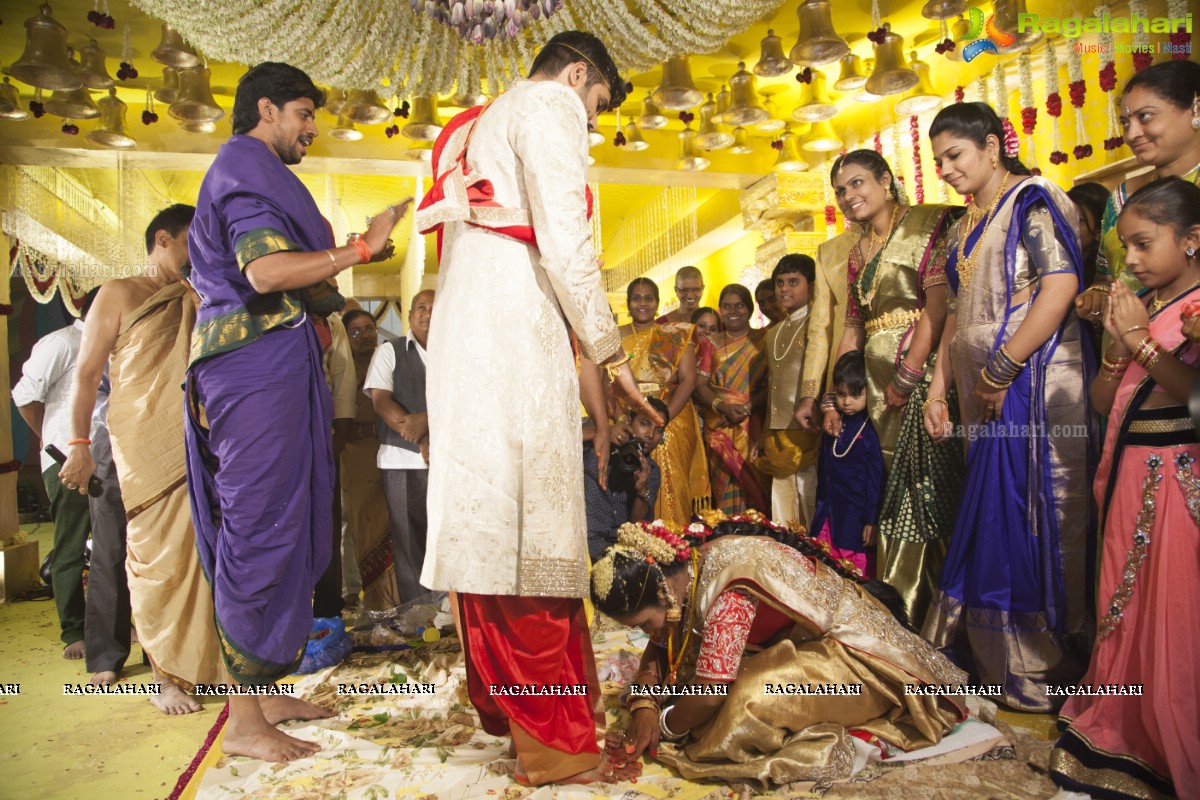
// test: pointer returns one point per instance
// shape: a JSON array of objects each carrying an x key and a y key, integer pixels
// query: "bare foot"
[
  {"x": 604, "y": 772},
  {"x": 173, "y": 700},
  {"x": 74, "y": 651},
  {"x": 280, "y": 708},
  {"x": 255, "y": 738},
  {"x": 105, "y": 678}
]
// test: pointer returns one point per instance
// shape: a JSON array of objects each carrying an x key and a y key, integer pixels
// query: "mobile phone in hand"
[{"x": 95, "y": 487}]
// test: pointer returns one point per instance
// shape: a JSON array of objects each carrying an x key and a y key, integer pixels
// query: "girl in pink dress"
[{"x": 1131, "y": 727}]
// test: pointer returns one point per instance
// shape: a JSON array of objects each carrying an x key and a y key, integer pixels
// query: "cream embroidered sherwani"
[
  {"x": 506, "y": 513},
  {"x": 828, "y": 319}
]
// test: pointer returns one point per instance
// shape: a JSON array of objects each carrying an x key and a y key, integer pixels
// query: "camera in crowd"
[{"x": 628, "y": 457}]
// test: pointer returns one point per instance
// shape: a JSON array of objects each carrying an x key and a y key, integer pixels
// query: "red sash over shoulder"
[{"x": 459, "y": 194}]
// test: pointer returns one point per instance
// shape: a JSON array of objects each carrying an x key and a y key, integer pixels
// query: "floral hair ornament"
[{"x": 1012, "y": 145}]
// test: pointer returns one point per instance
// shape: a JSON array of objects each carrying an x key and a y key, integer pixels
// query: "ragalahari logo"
[{"x": 996, "y": 37}]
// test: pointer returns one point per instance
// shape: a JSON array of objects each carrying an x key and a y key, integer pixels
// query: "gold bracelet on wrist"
[
  {"x": 643, "y": 702},
  {"x": 1102, "y": 288},
  {"x": 615, "y": 367},
  {"x": 983, "y": 376},
  {"x": 925, "y": 406},
  {"x": 716, "y": 403}
]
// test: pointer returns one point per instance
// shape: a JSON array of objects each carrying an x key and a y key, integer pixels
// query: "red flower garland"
[
  {"x": 1180, "y": 40},
  {"x": 1054, "y": 109},
  {"x": 1142, "y": 60},
  {"x": 1108, "y": 77},
  {"x": 830, "y": 217},
  {"x": 1028, "y": 120},
  {"x": 1078, "y": 92},
  {"x": 918, "y": 175},
  {"x": 878, "y": 144},
  {"x": 959, "y": 94}
]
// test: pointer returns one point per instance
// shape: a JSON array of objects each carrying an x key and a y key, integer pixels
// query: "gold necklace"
[
  {"x": 775, "y": 348},
  {"x": 966, "y": 266},
  {"x": 1157, "y": 305},
  {"x": 869, "y": 297},
  {"x": 729, "y": 341},
  {"x": 882, "y": 240}
]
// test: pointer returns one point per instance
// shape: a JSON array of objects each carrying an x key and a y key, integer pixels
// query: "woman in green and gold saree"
[
  {"x": 663, "y": 359},
  {"x": 755, "y": 612},
  {"x": 895, "y": 311}
]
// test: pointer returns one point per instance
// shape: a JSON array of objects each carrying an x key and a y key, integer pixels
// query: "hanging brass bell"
[
  {"x": 772, "y": 124},
  {"x": 821, "y": 138},
  {"x": 345, "y": 131},
  {"x": 1008, "y": 15},
  {"x": 423, "y": 124},
  {"x": 419, "y": 152},
  {"x": 335, "y": 100},
  {"x": 723, "y": 97},
  {"x": 10, "y": 103},
  {"x": 173, "y": 51},
  {"x": 852, "y": 77},
  {"x": 365, "y": 108},
  {"x": 468, "y": 99},
  {"x": 771, "y": 61},
  {"x": 112, "y": 131},
  {"x": 958, "y": 34},
  {"x": 44, "y": 64},
  {"x": 943, "y": 9},
  {"x": 709, "y": 137},
  {"x": 691, "y": 158},
  {"x": 677, "y": 92},
  {"x": 743, "y": 100},
  {"x": 92, "y": 69},
  {"x": 818, "y": 42},
  {"x": 790, "y": 159},
  {"x": 169, "y": 92},
  {"x": 815, "y": 104},
  {"x": 75, "y": 104},
  {"x": 195, "y": 102},
  {"x": 923, "y": 97},
  {"x": 633, "y": 138},
  {"x": 741, "y": 142},
  {"x": 198, "y": 126},
  {"x": 891, "y": 75},
  {"x": 651, "y": 117}
]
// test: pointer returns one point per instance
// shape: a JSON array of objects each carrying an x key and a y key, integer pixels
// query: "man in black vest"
[{"x": 396, "y": 384}]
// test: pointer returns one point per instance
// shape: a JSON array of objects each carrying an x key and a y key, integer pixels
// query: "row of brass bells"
[
  {"x": 709, "y": 136},
  {"x": 815, "y": 104},
  {"x": 743, "y": 100},
  {"x": 45, "y": 64},
  {"x": 112, "y": 132},
  {"x": 677, "y": 92},
  {"x": 423, "y": 123},
  {"x": 364, "y": 108},
  {"x": 923, "y": 98},
  {"x": 771, "y": 61},
  {"x": 818, "y": 42},
  {"x": 173, "y": 51},
  {"x": 10, "y": 103},
  {"x": 891, "y": 75}
]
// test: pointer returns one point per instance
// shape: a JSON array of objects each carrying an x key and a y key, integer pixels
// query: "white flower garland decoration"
[
  {"x": 1025, "y": 73},
  {"x": 349, "y": 44},
  {"x": 1052, "y": 88},
  {"x": 1074, "y": 74}
]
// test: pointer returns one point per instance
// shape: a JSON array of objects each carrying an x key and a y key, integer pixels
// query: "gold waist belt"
[
  {"x": 892, "y": 319},
  {"x": 1160, "y": 425}
]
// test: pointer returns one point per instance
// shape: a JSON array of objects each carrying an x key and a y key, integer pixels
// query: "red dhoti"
[{"x": 524, "y": 657}]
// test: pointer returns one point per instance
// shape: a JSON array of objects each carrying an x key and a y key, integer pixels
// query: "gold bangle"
[
  {"x": 1102, "y": 288},
  {"x": 715, "y": 403},
  {"x": 983, "y": 376},
  {"x": 615, "y": 367},
  {"x": 925, "y": 406},
  {"x": 333, "y": 261},
  {"x": 643, "y": 702},
  {"x": 1136, "y": 328}
]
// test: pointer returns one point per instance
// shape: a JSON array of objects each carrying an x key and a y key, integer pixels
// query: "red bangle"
[
  {"x": 88, "y": 442},
  {"x": 1192, "y": 309},
  {"x": 364, "y": 252}
]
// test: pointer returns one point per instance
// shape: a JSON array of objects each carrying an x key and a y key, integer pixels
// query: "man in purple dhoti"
[{"x": 259, "y": 415}]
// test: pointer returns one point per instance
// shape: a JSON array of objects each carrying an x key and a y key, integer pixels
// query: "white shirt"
[
  {"x": 379, "y": 376},
  {"x": 48, "y": 378}
]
